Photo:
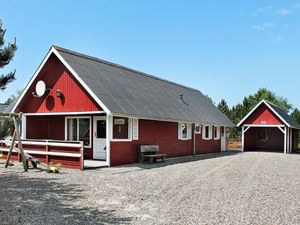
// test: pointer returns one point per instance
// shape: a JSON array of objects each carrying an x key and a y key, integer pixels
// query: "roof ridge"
[{"x": 78, "y": 54}]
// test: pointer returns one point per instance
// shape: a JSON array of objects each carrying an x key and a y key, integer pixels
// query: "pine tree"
[
  {"x": 296, "y": 115},
  {"x": 223, "y": 107},
  {"x": 7, "y": 53}
]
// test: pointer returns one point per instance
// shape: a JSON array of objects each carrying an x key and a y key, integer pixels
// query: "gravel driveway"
[{"x": 226, "y": 188}]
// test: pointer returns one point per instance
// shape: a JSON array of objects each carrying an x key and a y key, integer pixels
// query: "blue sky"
[{"x": 226, "y": 49}]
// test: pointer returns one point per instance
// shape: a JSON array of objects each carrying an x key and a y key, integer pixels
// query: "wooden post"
[
  {"x": 20, "y": 141},
  {"x": 82, "y": 157},
  {"x": 47, "y": 151},
  {"x": 243, "y": 138},
  {"x": 285, "y": 137},
  {"x": 10, "y": 149}
]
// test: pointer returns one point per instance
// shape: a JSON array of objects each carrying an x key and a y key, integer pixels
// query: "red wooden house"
[
  {"x": 113, "y": 109},
  {"x": 269, "y": 128}
]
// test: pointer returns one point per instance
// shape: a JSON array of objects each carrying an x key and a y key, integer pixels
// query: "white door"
[
  {"x": 99, "y": 147},
  {"x": 223, "y": 139}
]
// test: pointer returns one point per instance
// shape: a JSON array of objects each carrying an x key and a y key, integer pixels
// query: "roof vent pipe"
[{"x": 181, "y": 97}]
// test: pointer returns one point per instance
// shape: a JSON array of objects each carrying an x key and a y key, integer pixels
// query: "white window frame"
[
  {"x": 78, "y": 117},
  {"x": 209, "y": 132},
  {"x": 200, "y": 128},
  {"x": 129, "y": 130},
  {"x": 135, "y": 129},
  {"x": 218, "y": 133},
  {"x": 180, "y": 131}
]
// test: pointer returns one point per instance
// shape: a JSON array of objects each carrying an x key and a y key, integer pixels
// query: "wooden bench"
[{"x": 150, "y": 152}]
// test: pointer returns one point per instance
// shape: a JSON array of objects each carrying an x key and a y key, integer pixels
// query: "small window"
[
  {"x": 262, "y": 134},
  {"x": 101, "y": 129},
  {"x": 183, "y": 131},
  {"x": 207, "y": 132},
  {"x": 198, "y": 128},
  {"x": 120, "y": 128},
  {"x": 216, "y": 132},
  {"x": 222, "y": 131}
]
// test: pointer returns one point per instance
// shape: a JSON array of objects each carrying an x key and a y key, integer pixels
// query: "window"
[
  {"x": 101, "y": 129},
  {"x": 222, "y": 131},
  {"x": 207, "y": 132},
  {"x": 182, "y": 131},
  {"x": 198, "y": 128},
  {"x": 262, "y": 134},
  {"x": 216, "y": 132},
  {"x": 79, "y": 129},
  {"x": 135, "y": 129},
  {"x": 120, "y": 128}
]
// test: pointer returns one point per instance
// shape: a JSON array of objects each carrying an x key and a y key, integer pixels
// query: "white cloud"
[
  {"x": 263, "y": 26},
  {"x": 262, "y": 10},
  {"x": 283, "y": 12},
  {"x": 277, "y": 39}
]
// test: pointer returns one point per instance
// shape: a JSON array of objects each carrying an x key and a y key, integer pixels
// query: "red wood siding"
[
  {"x": 57, "y": 77},
  {"x": 263, "y": 116},
  {"x": 164, "y": 134},
  {"x": 275, "y": 140},
  {"x": 206, "y": 146}
]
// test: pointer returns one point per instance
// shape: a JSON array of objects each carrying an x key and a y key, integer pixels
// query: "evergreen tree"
[
  {"x": 296, "y": 115},
  {"x": 223, "y": 107},
  {"x": 7, "y": 53}
]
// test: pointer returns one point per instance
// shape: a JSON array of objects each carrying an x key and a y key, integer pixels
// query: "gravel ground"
[{"x": 226, "y": 188}]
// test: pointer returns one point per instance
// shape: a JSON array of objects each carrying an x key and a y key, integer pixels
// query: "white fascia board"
[
  {"x": 81, "y": 81},
  {"x": 270, "y": 107},
  {"x": 286, "y": 123},
  {"x": 56, "y": 53},
  {"x": 64, "y": 113},
  {"x": 239, "y": 124},
  {"x": 32, "y": 79}
]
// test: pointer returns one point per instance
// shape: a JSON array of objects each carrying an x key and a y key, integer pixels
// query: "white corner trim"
[
  {"x": 56, "y": 53},
  {"x": 270, "y": 107}
]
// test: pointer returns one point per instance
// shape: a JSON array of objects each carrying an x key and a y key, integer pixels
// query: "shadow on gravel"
[
  {"x": 180, "y": 160},
  {"x": 25, "y": 200}
]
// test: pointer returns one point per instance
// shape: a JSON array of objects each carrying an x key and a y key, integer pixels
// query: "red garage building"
[
  {"x": 269, "y": 128},
  {"x": 112, "y": 109}
]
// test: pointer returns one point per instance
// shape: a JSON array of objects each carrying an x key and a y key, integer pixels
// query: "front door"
[
  {"x": 99, "y": 148},
  {"x": 223, "y": 139}
]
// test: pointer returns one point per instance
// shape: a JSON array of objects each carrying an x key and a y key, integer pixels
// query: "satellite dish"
[{"x": 40, "y": 88}]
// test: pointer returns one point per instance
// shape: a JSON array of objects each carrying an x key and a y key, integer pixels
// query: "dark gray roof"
[
  {"x": 3, "y": 107},
  {"x": 129, "y": 92},
  {"x": 288, "y": 119}
]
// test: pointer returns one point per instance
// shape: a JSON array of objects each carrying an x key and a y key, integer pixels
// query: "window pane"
[
  {"x": 216, "y": 132},
  {"x": 198, "y": 128},
  {"x": 183, "y": 130},
  {"x": 101, "y": 129},
  {"x": 222, "y": 131},
  {"x": 120, "y": 128},
  {"x": 206, "y": 131},
  {"x": 84, "y": 131},
  {"x": 72, "y": 129}
]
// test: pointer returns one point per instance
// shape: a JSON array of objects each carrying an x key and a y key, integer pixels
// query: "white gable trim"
[
  {"x": 270, "y": 107},
  {"x": 56, "y": 53}
]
